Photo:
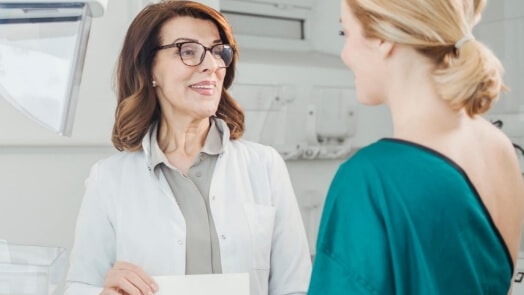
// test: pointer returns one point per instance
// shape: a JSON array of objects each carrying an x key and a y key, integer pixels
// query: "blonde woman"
[{"x": 437, "y": 208}]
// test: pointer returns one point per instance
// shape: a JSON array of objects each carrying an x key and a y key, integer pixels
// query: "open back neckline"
[{"x": 468, "y": 181}]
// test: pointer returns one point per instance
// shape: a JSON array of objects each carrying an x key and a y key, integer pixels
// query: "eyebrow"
[{"x": 177, "y": 40}]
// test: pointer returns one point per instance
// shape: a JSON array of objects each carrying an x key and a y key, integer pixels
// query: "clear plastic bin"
[{"x": 31, "y": 270}]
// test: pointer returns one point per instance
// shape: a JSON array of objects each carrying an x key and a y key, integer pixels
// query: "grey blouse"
[{"x": 191, "y": 192}]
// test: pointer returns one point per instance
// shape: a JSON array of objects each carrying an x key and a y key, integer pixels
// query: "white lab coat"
[{"x": 130, "y": 214}]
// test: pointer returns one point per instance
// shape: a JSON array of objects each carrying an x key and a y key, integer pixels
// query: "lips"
[
  {"x": 204, "y": 87},
  {"x": 204, "y": 84}
]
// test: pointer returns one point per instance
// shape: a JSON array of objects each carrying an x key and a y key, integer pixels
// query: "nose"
[{"x": 209, "y": 63}]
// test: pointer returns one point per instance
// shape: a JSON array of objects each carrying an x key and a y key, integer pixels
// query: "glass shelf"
[{"x": 31, "y": 270}]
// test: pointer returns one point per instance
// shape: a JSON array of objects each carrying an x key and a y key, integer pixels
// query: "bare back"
[{"x": 490, "y": 161}]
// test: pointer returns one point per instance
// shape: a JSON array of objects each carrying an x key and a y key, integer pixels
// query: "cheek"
[
  {"x": 346, "y": 54},
  {"x": 368, "y": 91},
  {"x": 221, "y": 75}
]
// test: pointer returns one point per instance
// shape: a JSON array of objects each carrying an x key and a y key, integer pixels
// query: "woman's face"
[
  {"x": 188, "y": 91},
  {"x": 362, "y": 56}
]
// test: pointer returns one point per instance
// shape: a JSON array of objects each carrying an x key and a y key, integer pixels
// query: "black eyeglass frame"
[{"x": 206, "y": 49}]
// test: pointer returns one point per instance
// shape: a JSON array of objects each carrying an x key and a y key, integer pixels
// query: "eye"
[
  {"x": 189, "y": 50},
  {"x": 186, "y": 52},
  {"x": 218, "y": 51},
  {"x": 341, "y": 33}
]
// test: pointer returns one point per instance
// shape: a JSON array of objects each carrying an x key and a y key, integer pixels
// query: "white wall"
[
  {"x": 40, "y": 192},
  {"x": 501, "y": 29}
]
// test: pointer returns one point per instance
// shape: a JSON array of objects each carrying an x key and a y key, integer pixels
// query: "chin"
[
  {"x": 369, "y": 100},
  {"x": 211, "y": 112}
]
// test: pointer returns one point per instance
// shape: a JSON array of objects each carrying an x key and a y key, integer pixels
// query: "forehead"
[{"x": 189, "y": 27}]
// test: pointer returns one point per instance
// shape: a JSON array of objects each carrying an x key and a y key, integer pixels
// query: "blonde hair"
[{"x": 468, "y": 77}]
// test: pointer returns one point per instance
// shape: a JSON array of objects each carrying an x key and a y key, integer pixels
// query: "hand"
[{"x": 128, "y": 279}]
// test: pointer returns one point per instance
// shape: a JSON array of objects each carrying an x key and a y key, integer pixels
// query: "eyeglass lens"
[{"x": 192, "y": 54}]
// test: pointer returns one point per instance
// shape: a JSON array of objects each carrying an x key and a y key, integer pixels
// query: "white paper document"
[{"x": 216, "y": 284}]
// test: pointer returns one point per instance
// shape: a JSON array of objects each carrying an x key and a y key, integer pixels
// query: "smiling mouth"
[{"x": 202, "y": 86}]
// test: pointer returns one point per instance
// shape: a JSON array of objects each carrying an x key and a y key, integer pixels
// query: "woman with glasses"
[
  {"x": 186, "y": 195},
  {"x": 438, "y": 207}
]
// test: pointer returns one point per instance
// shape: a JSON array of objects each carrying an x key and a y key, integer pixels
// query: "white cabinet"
[{"x": 278, "y": 3}]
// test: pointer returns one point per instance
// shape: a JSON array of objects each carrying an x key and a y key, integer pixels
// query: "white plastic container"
[{"x": 31, "y": 270}]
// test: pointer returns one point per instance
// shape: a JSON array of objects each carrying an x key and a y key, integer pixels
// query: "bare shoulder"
[
  {"x": 503, "y": 195},
  {"x": 500, "y": 158},
  {"x": 504, "y": 160},
  {"x": 498, "y": 143}
]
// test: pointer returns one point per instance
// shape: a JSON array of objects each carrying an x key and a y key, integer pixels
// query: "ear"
[{"x": 385, "y": 48}]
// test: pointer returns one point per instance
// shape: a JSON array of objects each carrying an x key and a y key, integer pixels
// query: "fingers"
[
  {"x": 138, "y": 275},
  {"x": 130, "y": 279},
  {"x": 129, "y": 283}
]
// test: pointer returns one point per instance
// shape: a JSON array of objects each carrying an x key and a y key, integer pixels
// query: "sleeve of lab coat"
[
  {"x": 290, "y": 258},
  {"x": 93, "y": 252}
]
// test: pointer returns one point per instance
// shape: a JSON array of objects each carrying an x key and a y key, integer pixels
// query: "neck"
[
  {"x": 416, "y": 107},
  {"x": 183, "y": 136}
]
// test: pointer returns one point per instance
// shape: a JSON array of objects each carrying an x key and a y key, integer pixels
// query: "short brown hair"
[{"x": 137, "y": 104}]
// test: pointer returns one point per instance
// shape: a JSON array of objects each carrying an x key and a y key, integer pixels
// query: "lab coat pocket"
[{"x": 261, "y": 220}]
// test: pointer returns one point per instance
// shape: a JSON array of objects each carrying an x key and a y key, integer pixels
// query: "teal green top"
[{"x": 401, "y": 218}]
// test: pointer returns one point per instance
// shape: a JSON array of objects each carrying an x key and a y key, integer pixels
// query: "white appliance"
[{"x": 42, "y": 50}]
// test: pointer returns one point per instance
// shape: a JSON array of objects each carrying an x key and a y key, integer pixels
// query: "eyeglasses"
[{"x": 192, "y": 53}]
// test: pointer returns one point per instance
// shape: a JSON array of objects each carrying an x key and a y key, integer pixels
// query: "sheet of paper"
[{"x": 230, "y": 284}]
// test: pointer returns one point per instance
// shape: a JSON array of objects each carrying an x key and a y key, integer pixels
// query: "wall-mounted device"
[
  {"x": 258, "y": 24},
  {"x": 42, "y": 51}
]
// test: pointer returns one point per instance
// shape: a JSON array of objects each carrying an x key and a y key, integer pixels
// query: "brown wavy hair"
[
  {"x": 469, "y": 77},
  {"x": 137, "y": 104}
]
